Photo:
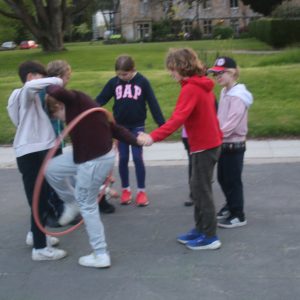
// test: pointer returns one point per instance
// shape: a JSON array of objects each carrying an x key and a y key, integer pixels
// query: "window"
[
  {"x": 187, "y": 26},
  {"x": 234, "y": 23},
  {"x": 234, "y": 3},
  {"x": 143, "y": 31},
  {"x": 206, "y": 4},
  {"x": 144, "y": 7},
  {"x": 207, "y": 27}
]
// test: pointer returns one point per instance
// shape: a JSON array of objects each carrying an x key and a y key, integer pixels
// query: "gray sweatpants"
[
  {"x": 89, "y": 176},
  {"x": 203, "y": 164}
]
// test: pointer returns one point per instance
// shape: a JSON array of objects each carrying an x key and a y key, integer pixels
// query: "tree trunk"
[{"x": 49, "y": 20}]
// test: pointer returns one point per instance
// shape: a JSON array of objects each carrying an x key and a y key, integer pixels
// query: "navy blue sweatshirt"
[{"x": 129, "y": 108}]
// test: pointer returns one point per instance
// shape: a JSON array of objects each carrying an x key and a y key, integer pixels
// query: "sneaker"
[
  {"x": 232, "y": 222},
  {"x": 223, "y": 213},
  {"x": 113, "y": 193},
  {"x": 126, "y": 197},
  {"x": 105, "y": 207},
  {"x": 189, "y": 236},
  {"x": 51, "y": 240},
  {"x": 141, "y": 199},
  {"x": 47, "y": 253},
  {"x": 204, "y": 243},
  {"x": 70, "y": 212},
  {"x": 188, "y": 203},
  {"x": 95, "y": 260}
]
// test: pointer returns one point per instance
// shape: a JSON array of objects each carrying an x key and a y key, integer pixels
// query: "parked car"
[
  {"x": 8, "y": 45},
  {"x": 28, "y": 45}
]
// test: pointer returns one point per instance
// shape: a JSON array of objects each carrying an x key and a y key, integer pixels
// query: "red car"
[{"x": 28, "y": 45}]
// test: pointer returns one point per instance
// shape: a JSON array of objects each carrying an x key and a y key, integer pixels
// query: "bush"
[
  {"x": 114, "y": 39},
  {"x": 222, "y": 32},
  {"x": 286, "y": 11},
  {"x": 276, "y": 32},
  {"x": 166, "y": 30},
  {"x": 196, "y": 33}
]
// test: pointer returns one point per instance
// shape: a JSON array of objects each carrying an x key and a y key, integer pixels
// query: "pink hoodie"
[{"x": 233, "y": 113}]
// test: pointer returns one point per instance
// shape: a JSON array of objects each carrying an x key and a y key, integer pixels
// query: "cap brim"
[{"x": 216, "y": 69}]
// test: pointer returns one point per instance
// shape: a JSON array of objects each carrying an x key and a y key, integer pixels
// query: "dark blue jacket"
[{"x": 129, "y": 108}]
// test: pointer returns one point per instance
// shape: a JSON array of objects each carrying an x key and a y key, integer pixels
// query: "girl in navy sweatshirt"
[{"x": 131, "y": 91}]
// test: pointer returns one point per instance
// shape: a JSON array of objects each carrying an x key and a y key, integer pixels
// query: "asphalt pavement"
[{"x": 258, "y": 261}]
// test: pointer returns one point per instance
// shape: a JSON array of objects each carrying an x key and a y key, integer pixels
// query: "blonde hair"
[
  {"x": 58, "y": 68},
  {"x": 234, "y": 72},
  {"x": 185, "y": 61}
]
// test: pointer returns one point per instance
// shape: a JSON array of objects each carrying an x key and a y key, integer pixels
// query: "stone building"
[{"x": 135, "y": 17}]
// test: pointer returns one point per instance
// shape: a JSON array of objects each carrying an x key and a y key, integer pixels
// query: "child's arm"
[
  {"x": 14, "y": 106},
  {"x": 122, "y": 134},
  {"x": 106, "y": 94},
  {"x": 61, "y": 94},
  {"x": 153, "y": 104},
  {"x": 32, "y": 87}
]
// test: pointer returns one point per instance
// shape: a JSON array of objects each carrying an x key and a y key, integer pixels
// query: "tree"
[
  {"x": 47, "y": 20},
  {"x": 264, "y": 7}
]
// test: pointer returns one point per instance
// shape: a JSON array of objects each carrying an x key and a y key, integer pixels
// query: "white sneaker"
[
  {"x": 95, "y": 261},
  {"x": 51, "y": 240},
  {"x": 48, "y": 253},
  {"x": 70, "y": 212}
]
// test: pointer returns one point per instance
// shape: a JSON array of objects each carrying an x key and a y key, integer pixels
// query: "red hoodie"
[{"x": 195, "y": 109}]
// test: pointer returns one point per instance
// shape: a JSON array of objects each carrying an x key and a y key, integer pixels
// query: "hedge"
[{"x": 276, "y": 32}]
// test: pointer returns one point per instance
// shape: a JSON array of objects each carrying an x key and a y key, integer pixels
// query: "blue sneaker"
[
  {"x": 190, "y": 236},
  {"x": 204, "y": 243}
]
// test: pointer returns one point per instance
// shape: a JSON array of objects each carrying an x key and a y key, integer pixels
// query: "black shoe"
[
  {"x": 105, "y": 207},
  {"x": 232, "y": 222},
  {"x": 188, "y": 203},
  {"x": 52, "y": 222},
  {"x": 223, "y": 213}
]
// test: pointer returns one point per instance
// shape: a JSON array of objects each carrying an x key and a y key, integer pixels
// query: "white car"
[{"x": 8, "y": 45}]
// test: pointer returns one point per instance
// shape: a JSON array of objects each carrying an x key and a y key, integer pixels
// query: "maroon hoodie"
[{"x": 93, "y": 136}]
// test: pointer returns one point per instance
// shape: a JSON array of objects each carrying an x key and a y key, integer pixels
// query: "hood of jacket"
[
  {"x": 241, "y": 91},
  {"x": 201, "y": 81}
]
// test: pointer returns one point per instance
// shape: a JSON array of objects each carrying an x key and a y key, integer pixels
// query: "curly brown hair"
[{"x": 185, "y": 61}]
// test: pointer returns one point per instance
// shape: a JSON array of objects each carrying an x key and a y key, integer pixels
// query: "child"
[
  {"x": 195, "y": 109},
  {"x": 61, "y": 69},
  {"x": 91, "y": 160},
  {"x": 34, "y": 137},
  {"x": 235, "y": 101},
  {"x": 131, "y": 91}
]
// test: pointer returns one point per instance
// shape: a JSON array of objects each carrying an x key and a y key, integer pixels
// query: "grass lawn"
[{"x": 272, "y": 77}]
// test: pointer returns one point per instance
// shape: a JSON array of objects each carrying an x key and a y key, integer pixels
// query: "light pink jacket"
[{"x": 233, "y": 113}]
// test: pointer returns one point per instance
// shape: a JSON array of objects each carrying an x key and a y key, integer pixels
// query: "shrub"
[
  {"x": 114, "y": 39},
  {"x": 166, "y": 30},
  {"x": 222, "y": 32},
  {"x": 286, "y": 11},
  {"x": 276, "y": 32}
]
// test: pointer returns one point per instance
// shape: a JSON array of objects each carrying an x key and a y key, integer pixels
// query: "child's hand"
[{"x": 144, "y": 139}]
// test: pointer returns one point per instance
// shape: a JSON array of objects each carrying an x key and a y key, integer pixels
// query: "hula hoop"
[{"x": 41, "y": 175}]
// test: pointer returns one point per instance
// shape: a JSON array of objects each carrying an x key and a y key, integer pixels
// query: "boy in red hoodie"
[{"x": 195, "y": 109}]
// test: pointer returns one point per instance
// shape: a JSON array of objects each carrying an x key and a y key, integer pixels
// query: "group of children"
[{"x": 42, "y": 105}]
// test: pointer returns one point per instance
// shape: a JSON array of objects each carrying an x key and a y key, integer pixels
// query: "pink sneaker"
[
  {"x": 126, "y": 197},
  {"x": 141, "y": 199}
]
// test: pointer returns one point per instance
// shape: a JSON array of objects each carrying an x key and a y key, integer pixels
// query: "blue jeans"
[
  {"x": 89, "y": 176},
  {"x": 137, "y": 156}
]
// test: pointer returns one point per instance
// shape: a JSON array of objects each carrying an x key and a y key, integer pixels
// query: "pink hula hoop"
[{"x": 41, "y": 174}]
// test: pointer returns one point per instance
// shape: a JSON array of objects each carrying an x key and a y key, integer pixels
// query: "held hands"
[{"x": 144, "y": 139}]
